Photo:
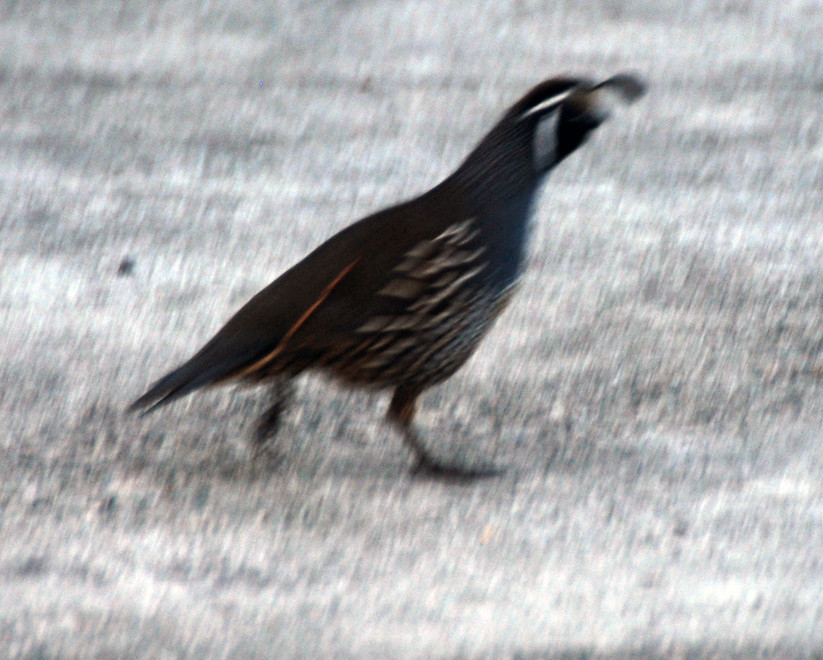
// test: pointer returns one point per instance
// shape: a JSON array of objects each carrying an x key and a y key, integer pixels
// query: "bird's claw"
[{"x": 426, "y": 466}]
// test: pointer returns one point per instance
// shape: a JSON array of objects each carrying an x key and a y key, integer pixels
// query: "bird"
[{"x": 400, "y": 299}]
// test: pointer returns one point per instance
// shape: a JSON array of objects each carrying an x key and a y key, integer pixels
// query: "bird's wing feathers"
[
  {"x": 251, "y": 339},
  {"x": 312, "y": 303},
  {"x": 260, "y": 364}
]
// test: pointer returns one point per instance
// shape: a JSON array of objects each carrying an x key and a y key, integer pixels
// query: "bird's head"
[
  {"x": 561, "y": 113},
  {"x": 535, "y": 134}
]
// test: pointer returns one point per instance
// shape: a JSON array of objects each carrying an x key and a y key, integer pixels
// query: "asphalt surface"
[{"x": 656, "y": 388}]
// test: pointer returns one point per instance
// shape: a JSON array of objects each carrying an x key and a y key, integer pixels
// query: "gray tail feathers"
[{"x": 207, "y": 367}]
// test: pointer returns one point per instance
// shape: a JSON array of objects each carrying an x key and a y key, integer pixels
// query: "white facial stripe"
[{"x": 549, "y": 104}]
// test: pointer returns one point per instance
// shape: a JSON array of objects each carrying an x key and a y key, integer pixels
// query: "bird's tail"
[{"x": 211, "y": 365}]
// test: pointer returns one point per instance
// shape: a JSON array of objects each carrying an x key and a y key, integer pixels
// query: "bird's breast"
[{"x": 505, "y": 226}]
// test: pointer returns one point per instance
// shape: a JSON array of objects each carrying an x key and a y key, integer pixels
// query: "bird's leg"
[
  {"x": 401, "y": 412},
  {"x": 281, "y": 393}
]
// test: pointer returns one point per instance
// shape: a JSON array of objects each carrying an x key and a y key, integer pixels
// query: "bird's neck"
[{"x": 501, "y": 168}]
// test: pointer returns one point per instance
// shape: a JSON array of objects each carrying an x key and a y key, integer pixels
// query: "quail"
[{"x": 401, "y": 299}]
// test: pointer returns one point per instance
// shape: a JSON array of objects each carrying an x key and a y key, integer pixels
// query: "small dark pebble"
[
  {"x": 108, "y": 505},
  {"x": 126, "y": 267}
]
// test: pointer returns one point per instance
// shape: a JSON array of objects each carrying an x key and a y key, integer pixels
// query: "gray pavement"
[{"x": 656, "y": 389}]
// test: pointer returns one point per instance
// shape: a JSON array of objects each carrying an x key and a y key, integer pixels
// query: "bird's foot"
[
  {"x": 266, "y": 428},
  {"x": 269, "y": 422},
  {"x": 427, "y": 466}
]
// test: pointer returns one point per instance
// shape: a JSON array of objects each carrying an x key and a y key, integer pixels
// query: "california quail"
[{"x": 402, "y": 298}]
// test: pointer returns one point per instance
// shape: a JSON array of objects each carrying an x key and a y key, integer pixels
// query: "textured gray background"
[{"x": 656, "y": 389}]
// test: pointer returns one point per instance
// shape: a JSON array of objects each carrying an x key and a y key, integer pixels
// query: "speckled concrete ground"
[{"x": 655, "y": 389}]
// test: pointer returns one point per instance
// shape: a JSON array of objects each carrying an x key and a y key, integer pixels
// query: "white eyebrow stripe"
[{"x": 549, "y": 104}]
